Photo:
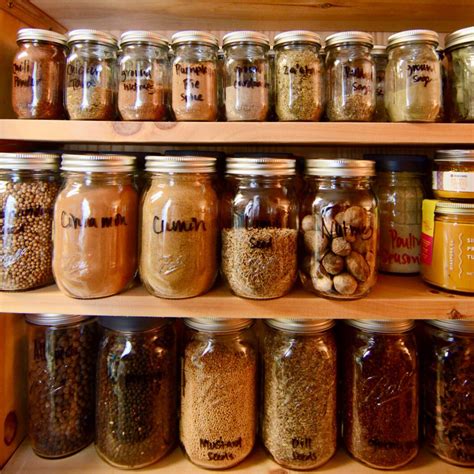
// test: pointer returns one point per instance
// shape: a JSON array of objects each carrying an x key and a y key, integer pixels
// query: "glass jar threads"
[
  {"x": 62, "y": 351},
  {"x": 259, "y": 219},
  {"x": 136, "y": 416},
  {"x": 299, "y": 427},
  {"x": 95, "y": 226},
  {"x": 143, "y": 76},
  {"x": 179, "y": 226},
  {"x": 339, "y": 228},
  {"x": 350, "y": 72},
  {"x": 218, "y": 421},
  {"x": 194, "y": 93},
  {"x": 246, "y": 76},
  {"x": 91, "y": 75},
  {"x": 379, "y": 53},
  {"x": 28, "y": 189},
  {"x": 413, "y": 77},
  {"x": 38, "y": 71},
  {"x": 299, "y": 82}
]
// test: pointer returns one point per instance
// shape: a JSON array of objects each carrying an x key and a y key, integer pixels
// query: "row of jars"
[
  {"x": 81, "y": 76},
  {"x": 134, "y": 390}
]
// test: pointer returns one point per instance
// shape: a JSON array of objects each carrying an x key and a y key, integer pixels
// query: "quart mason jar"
[
  {"x": 91, "y": 75},
  {"x": 136, "y": 408},
  {"x": 62, "y": 351},
  {"x": 299, "y": 425},
  {"x": 218, "y": 421},
  {"x": 413, "y": 91},
  {"x": 246, "y": 76},
  {"x": 350, "y": 73},
  {"x": 339, "y": 228},
  {"x": 299, "y": 81},
  {"x": 39, "y": 66},
  {"x": 28, "y": 189},
  {"x": 143, "y": 76},
  {"x": 259, "y": 222},
  {"x": 379, "y": 53}
]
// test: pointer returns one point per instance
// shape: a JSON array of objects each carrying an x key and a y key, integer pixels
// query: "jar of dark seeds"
[
  {"x": 299, "y": 427},
  {"x": 380, "y": 392},
  {"x": 379, "y": 53},
  {"x": 62, "y": 351},
  {"x": 136, "y": 416},
  {"x": 218, "y": 421},
  {"x": 259, "y": 218},
  {"x": 28, "y": 188}
]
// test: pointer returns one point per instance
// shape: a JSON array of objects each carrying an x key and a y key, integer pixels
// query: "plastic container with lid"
[{"x": 379, "y": 53}]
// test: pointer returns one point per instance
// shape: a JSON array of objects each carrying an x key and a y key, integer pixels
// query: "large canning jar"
[
  {"x": 194, "y": 94},
  {"x": 339, "y": 228},
  {"x": 448, "y": 394},
  {"x": 62, "y": 352},
  {"x": 95, "y": 226},
  {"x": 91, "y": 75},
  {"x": 350, "y": 74},
  {"x": 179, "y": 226},
  {"x": 413, "y": 91},
  {"x": 136, "y": 407},
  {"x": 29, "y": 185},
  {"x": 38, "y": 74},
  {"x": 379, "y": 53},
  {"x": 218, "y": 421},
  {"x": 380, "y": 392},
  {"x": 259, "y": 222},
  {"x": 299, "y": 426}
]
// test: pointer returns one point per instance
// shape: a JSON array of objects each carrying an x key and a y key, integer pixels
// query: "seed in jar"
[
  {"x": 315, "y": 241},
  {"x": 356, "y": 217},
  {"x": 308, "y": 223},
  {"x": 360, "y": 245},
  {"x": 341, "y": 247},
  {"x": 358, "y": 266},
  {"x": 333, "y": 264},
  {"x": 345, "y": 284},
  {"x": 321, "y": 280}
]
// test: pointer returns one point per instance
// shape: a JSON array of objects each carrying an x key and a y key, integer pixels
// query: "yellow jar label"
[{"x": 427, "y": 231}]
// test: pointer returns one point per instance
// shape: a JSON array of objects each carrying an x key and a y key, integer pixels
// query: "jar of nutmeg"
[{"x": 339, "y": 228}]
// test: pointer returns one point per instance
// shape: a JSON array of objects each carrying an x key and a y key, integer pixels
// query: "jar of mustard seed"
[{"x": 379, "y": 53}]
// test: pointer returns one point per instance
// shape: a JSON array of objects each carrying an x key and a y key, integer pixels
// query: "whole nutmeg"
[
  {"x": 315, "y": 242},
  {"x": 308, "y": 223},
  {"x": 360, "y": 245},
  {"x": 357, "y": 266},
  {"x": 341, "y": 247},
  {"x": 356, "y": 216},
  {"x": 321, "y": 280},
  {"x": 345, "y": 284},
  {"x": 332, "y": 263}
]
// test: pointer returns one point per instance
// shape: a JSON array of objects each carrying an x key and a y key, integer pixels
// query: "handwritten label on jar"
[
  {"x": 300, "y": 70},
  {"x": 249, "y": 77},
  {"x": 420, "y": 73},
  {"x": 303, "y": 449},
  {"x": 58, "y": 354},
  {"x": 26, "y": 75},
  {"x": 400, "y": 249},
  {"x": 82, "y": 76},
  {"x": 8, "y": 218},
  {"x": 69, "y": 220},
  {"x": 361, "y": 79},
  {"x": 260, "y": 243},
  {"x": 191, "y": 84},
  {"x": 220, "y": 449},
  {"x": 194, "y": 225}
]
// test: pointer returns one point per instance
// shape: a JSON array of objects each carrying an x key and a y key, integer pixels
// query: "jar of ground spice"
[
  {"x": 38, "y": 74},
  {"x": 380, "y": 392},
  {"x": 218, "y": 421},
  {"x": 136, "y": 410},
  {"x": 91, "y": 75},
  {"x": 194, "y": 93},
  {"x": 299, "y": 426},
  {"x": 179, "y": 226},
  {"x": 379, "y": 53},
  {"x": 259, "y": 219},
  {"x": 246, "y": 76},
  {"x": 143, "y": 76},
  {"x": 299, "y": 76},
  {"x": 350, "y": 73},
  {"x": 95, "y": 226},
  {"x": 62, "y": 351},
  {"x": 28, "y": 188}
]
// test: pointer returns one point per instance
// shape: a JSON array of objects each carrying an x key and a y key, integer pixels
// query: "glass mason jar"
[
  {"x": 259, "y": 222},
  {"x": 62, "y": 351},
  {"x": 299, "y": 425},
  {"x": 28, "y": 189},
  {"x": 460, "y": 75},
  {"x": 448, "y": 381},
  {"x": 379, "y": 53},
  {"x": 380, "y": 396},
  {"x": 413, "y": 77},
  {"x": 91, "y": 75},
  {"x": 194, "y": 94},
  {"x": 95, "y": 226},
  {"x": 299, "y": 76},
  {"x": 350, "y": 72},
  {"x": 143, "y": 76},
  {"x": 136, "y": 408},
  {"x": 39, "y": 66},
  {"x": 218, "y": 420},
  {"x": 246, "y": 76},
  {"x": 179, "y": 226},
  {"x": 339, "y": 228}
]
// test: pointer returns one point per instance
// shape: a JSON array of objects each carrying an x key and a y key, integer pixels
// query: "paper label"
[{"x": 454, "y": 181}]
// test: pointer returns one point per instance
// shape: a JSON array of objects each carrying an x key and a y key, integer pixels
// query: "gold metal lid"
[
  {"x": 339, "y": 168},
  {"x": 459, "y": 37},
  {"x": 132, "y": 323},
  {"x": 98, "y": 163},
  {"x": 384, "y": 326},
  {"x": 379, "y": 50},
  {"x": 296, "y": 36},
  {"x": 454, "y": 156},
  {"x": 189, "y": 36},
  {"x": 453, "y": 325},
  {"x": 37, "y": 34},
  {"x": 29, "y": 161},
  {"x": 261, "y": 166},
  {"x": 180, "y": 164},
  {"x": 96, "y": 36},
  {"x": 53, "y": 319},
  {"x": 301, "y": 326},
  {"x": 245, "y": 37},
  {"x": 342, "y": 37},
  {"x": 452, "y": 208},
  {"x": 413, "y": 36},
  {"x": 140, "y": 36},
  {"x": 218, "y": 325}
]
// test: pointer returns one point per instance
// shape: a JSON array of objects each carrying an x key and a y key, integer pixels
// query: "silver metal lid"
[
  {"x": 382, "y": 326},
  {"x": 29, "y": 161},
  {"x": 454, "y": 155},
  {"x": 303, "y": 326},
  {"x": 132, "y": 323},
  {"x": 296, "y": 36},
  {"x": 379, "y": 50},
  {"x": 349, "y": 37},
  {"x": 98, "y": 163},
  {"x": 221, "y": 325},
  {"x": 96, "y": 36},
  {"x": 459, "y": 37},
  {"x": 261, "y": 166},
  {"x": 339, "y": 168},
  {"x": 52, "y": 319},
  {"x": 413, "y": 36},
  {"x": 194, "y": 36},
  {"x": 245, "y": 37},
  {"x": 450, "y": 208},
  {"x": 453, "y": 325},
  {"x": 140, "y": 36},
  {"x": 180, "y": 164},
  {"x": 36, "y": 34}
]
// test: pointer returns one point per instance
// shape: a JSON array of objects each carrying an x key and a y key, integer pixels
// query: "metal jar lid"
[
  {"x": 459, "y": 37},
  {"x": 261, "y": 166},
  {"x": 98, "y": 163},
  {"x": 180, "y": 164},
  {"x": 301, "y": 326},
  {"x": 455, "y": 156},
  {"x": 29, "y": 161},
  {"x": 296, "y": 36},
  {"x": 245, "y": 37},
  {"x": 360, "y": 37},
  {"x": 455, "y": 326},
  {"x": 52, "y": 319},
  {"x": 132, "y": 323},
  {"x": 218, "y": 325},
  {"x": 36, "y": 34},
  {"x": 339, "y": 168},
  {"x": 413, "y": 36},
  {"x": 454, "y": 208},
  {"x": 191, "y": 36},
  {"x": 140, "y": 36},
  {"x": 382, "y": 326},
  {"x": 102, "y": 37},
  {"x": 379, "y": 50}
]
